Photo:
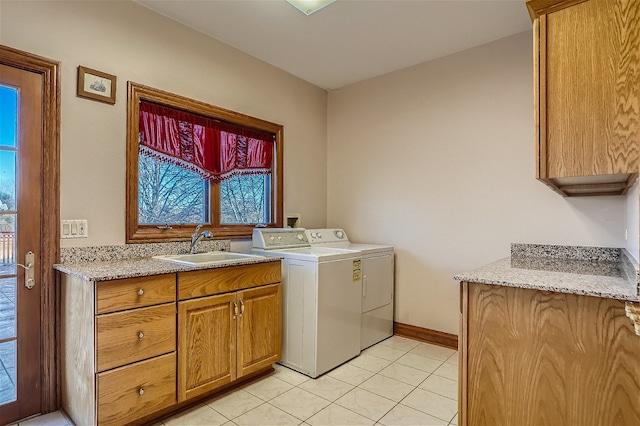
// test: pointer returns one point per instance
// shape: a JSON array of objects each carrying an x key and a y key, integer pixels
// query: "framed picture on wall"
[{"x": 96, "y": 85}]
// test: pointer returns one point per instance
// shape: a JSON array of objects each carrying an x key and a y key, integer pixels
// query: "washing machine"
[
  {"x": 377, "y": 282},
  {"x": 321, "y": 295}
]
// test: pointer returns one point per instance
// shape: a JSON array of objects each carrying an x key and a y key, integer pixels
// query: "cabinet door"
[
  {"x": 206, "y": 344},
  {"x": 259, "y": 328},
  {"x": 589, "y": 91},
  {"x": 541, "y": 358}
]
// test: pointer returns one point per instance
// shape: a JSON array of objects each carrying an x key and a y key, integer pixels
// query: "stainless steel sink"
[{"x": 208, "y": 258}]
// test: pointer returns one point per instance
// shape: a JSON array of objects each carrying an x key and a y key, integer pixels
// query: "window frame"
[{"x": 137, "y": 233}]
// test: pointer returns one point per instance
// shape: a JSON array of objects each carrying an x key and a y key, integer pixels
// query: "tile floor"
[{"x": 396, "y": 382}]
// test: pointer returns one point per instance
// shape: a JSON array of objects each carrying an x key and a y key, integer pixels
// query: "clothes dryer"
[{"x": 377, "y": 282}]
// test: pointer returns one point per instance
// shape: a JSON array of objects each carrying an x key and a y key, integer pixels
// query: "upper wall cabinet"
[{"x": 587, "y": 94}]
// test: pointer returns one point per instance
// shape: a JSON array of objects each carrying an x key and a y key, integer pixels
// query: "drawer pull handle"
[
  {"x": 141, "y": 391},
  {"x": 241, "y": 307},
  {"x": 140, "y": 335},
  {"x": 140, "y": 292}
]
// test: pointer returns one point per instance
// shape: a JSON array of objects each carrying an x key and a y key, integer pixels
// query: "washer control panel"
[{"x": 272, "y": 238}]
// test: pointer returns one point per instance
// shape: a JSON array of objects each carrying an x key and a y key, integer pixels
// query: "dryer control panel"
[{"x": 327, "y": 236}]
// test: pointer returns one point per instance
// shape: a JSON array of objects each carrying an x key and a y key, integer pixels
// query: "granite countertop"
[
  {"x": 104, "y": 263},
  {"x": 590, "y": 271},
  {"x": 129, "y": 268}
]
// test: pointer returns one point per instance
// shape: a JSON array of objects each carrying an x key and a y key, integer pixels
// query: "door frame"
[{"x": 49, "y": 228}]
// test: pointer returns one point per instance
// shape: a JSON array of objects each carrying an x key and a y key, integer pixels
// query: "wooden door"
[
  {"x": 21, "y": 139},
  {"x": 206, "y": 344},
  {"x": 588, "y": 82},
  {"x": 259, "y": 328},
  {"x": 542, "y": 358}
]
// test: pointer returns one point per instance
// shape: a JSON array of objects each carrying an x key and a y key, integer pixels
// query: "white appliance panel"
[
  {"x": 339, "y": 305},
  {"x": 377, "y": 325},
  {"x": 298, "y": 315},
  {"x": 377, "y": 281}
]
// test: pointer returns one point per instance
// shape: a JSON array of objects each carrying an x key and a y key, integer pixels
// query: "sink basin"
[{"x": 211, "y": 257}]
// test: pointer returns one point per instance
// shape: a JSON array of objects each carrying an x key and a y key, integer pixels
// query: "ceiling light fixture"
[{"x": 309, "y": 6}]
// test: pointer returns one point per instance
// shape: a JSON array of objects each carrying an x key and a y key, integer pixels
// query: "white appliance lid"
[{"x": 336, "y": 237}]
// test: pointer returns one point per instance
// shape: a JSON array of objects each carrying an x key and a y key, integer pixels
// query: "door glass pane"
[
  {"x": 7, "y": 244},
  {"x": 8, "y": 118},
  {"x": 8, "y": 311},
  {"x": 7, "y": 180},
  {"x": 8, "y": 339}
]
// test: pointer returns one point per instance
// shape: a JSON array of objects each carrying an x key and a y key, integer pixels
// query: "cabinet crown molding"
[{"x": 538, "y": 8}]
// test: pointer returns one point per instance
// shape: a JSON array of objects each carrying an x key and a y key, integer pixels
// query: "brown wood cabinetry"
[
  {"x": 587, "y": 94},
  {"x": 136, "y": 348},
  {"x": 530, "y": 357},
  {"x": 223, "y": 337},
  {"x": 118, "y": 359}
]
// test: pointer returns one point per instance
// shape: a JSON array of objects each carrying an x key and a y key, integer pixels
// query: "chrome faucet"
[{"x": 195, "y": 238}]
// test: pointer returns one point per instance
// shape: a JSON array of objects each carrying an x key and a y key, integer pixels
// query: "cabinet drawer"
[
  {"x": 119, "y": 295},
  {"x": 137, "y": 390},
  {"x": 222, "y": 280},
  {"x": 130, "y": 336}
]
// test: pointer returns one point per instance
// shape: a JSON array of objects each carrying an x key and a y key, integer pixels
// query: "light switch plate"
[{"x": 74, "y": 228}]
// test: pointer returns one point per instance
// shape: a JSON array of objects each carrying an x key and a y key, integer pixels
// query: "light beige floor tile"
[
  {"x": 299, "y": 403},
  {"x": 266, "y": 415},
  {"x": 340, "y": 416},
  {"x": 455, "y": 420},
  {"x": 55, "y": 418},
  {"x": 288, "y": 375},
  {"x": 420, "y": 362},
  {"x": 235, "y": 403},
  {"x": 450, "y": 371},
  {"x": 386, "y": 387},
  {"x": 369, "y": 362},
  {"x": 401, "y": 415},
  {"x": 327, "y": 387},
  {"x": 200, "y": 415},
  {"x": 268, "y": 388},
  {"x": 453, "y": 359},
  {"x": 433, "y": 351},
  {"x": 404, "y": 374},
  {"x": 399, "y": 342},
  {"x": 366, "y": 403},
  {"x": 441, "y": 386},
  {"x": 431, "y": 403},
  {"x": 384, "y": 352},
  {"x": 351, "y": 374}
]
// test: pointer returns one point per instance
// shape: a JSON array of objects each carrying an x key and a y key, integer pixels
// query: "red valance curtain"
[{"x": 213, "y": 149}]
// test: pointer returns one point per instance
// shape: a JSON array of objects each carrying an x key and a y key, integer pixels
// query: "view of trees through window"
[
  {"x": 170, "y": 194},
  {"x": 174, "y": 195},
  {"x": 244, "y": 198}
]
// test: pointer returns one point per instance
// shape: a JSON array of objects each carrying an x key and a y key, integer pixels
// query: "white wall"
[
  {"x": 438, "y": 160},
  {"x": 632, "y": 224},
  {"x": 133, "y": 43}
]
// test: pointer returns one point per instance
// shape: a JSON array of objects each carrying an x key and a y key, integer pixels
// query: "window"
[{"x": 191, "y": 163}]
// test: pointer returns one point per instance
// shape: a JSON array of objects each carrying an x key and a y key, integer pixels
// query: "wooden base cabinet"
[
  {"x": 530, "y": 357},
  {"x": 136, "y": 349},
  {"x": 226, "y": 336},
  {"x": 118, "y": 348}
]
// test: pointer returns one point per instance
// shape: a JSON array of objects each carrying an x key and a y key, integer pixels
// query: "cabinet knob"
[
  {"x": 140, "y": 292},
  {"x": 141, "y": 391},
  {"x": 140, "y": 335}
]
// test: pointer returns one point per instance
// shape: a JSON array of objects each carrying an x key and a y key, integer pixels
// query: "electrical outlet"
[{"x": 74, "y": 229}]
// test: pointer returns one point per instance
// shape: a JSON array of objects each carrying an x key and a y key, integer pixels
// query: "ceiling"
[{"x": 349, "y": 40}]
